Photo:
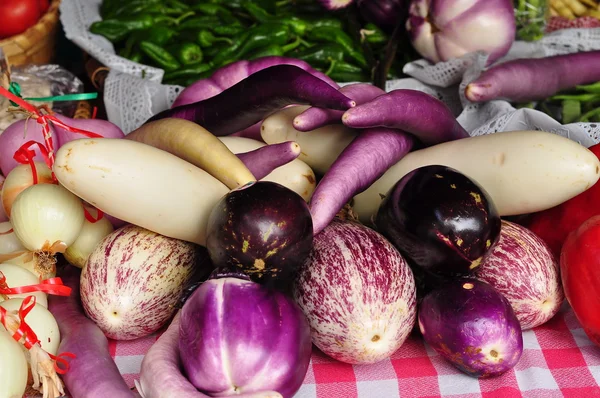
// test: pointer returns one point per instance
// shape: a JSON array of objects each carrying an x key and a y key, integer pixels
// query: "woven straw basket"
[{"x": 36, "y": 44}]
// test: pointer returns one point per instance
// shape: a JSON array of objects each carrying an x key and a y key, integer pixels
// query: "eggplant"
[
  {"x": 470, "y": 324},
  {"x": 262, "y": 228},
  {"x": 440, "y": 220},
  {"x": 237, "y": 337}
]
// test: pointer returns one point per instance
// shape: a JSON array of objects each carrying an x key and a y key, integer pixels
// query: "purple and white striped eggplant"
[
  {"x": 358, "y": 294},
  {"x": 470, "y": 324},
  {"x": 522, "y": 268},
  {"x": 134, "y": 278},
  {"x": 239, "y": 337}
]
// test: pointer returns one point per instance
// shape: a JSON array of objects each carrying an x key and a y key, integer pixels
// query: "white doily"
[{"x": 130, "y": 100}]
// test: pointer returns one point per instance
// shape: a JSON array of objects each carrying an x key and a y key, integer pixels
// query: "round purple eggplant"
[
  {"x": 470, "y": 324},
  {"x": 440, "y": 220},
  {"x": 263, "y": 228},
  {"x": 237, "y": 337}
]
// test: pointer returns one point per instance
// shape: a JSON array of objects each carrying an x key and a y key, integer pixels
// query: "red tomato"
[
  {"x": 18, "y": 16},
  {"x": 44, "y": 5},
  {"x": 580, "y": 272}
]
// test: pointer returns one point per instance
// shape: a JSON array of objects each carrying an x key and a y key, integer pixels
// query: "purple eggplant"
[
  {"x": 384, "y": 13},
  {"x": 238, "y": 337},
  {"x": 470, "y": 324},
  {"x": 441, "y": 220},
  {"x": 262, "y": 228},
  {"x": 255, "y": 97},
  {"x": 262, "y": 161}
]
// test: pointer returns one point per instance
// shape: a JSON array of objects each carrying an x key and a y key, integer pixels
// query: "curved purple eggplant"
[
  {"x": 249, "y": 101},
  {"x": 262, "y": 161}
]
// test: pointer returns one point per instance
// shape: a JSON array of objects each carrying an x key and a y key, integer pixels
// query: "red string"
[
  {"x": 90, "y": 218},
  {"x": 53, "y": 286},
  {"x": 10, "y": 231},
  {"x": 31, "y": 338},
  {"x": 24, "y": 155},
  {"x": 94, "y": 112}
]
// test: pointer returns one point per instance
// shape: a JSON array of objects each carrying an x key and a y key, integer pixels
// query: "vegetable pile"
[{"x": 270, "y": 211}]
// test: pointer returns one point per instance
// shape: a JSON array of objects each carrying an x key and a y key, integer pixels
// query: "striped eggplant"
[
  {"x": 357, "y": 292},
  {"x": 134, "y": 278},
  {"x": 471, "y": 325},
  {"x": 522, "y": 268},
  {"x": 239, "y": 338}
]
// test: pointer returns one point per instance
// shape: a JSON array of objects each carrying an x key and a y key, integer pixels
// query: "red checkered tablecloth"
[{"x": 558, "y": 361}]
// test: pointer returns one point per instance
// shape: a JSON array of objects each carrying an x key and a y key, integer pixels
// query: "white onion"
[
  {"x": 20, "y": 178},
  {"x": 9, "y": 243},
  {"x": 40, "y": 264},
  {"x": 47, "y": 218},
  {"x": 16, "y": 277},
  {"x": 91, "y": 234},
  {"x": 41, "y": 321},
  {"x": 13, "y": 366}
]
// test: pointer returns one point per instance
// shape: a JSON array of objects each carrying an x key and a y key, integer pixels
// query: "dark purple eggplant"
[
  {"x": 470, "y": 324},
  {"x": 256, "y": 96},
  {"x": 384, "y": 13},
  {"x": 263, "y": 228},
  {"x": 440, "y": 220}
]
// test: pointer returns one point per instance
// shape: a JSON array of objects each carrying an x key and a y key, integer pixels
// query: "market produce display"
[{"x": 271, "y": 217}]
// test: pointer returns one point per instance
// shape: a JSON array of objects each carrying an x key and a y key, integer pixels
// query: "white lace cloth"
[{"x": 130, "y": 99}]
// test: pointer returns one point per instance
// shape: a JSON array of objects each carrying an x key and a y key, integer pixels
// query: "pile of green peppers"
[{"x": 190, "y": 39}]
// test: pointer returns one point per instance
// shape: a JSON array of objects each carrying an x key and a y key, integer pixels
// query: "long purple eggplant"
[
  {"x": 255, "y": 97},
  {"x": 262, "y": 161},
  {"x": 314, "y": 117},
  {"x": 524, "y": 80},
  {"x": 415, "y": 112},
  {"x": 93, "y": 373},
  {"x": 367, "y": 157}
]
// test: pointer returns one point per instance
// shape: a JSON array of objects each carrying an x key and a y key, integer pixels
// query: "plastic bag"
[{"x": 38, "y": 81}]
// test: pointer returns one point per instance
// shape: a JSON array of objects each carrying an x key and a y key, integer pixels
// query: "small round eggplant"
[
  {"x": 470, "y": 324},
  {"x": 440, "y": 220},
  {"x": 263, "y": 228}
]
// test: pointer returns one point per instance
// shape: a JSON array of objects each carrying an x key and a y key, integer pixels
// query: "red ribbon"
[
  {"x": 90, "y": 218},
  {"x": 53, "y": 286},
  {"x": 31, "y": 338},
  {"x": 25, "y": 155}
]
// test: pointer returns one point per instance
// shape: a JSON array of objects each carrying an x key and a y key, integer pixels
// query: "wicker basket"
[{"x": 36, "y": 44}]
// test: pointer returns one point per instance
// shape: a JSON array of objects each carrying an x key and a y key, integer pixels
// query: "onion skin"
[
  {"x": 358, "y": 294},
  {"x": 472, "y": 326},
  {"x": 3, "y": 216},
  {"x": 237, "y": 336},
  {"x": 134, "y": 278},
  {"x": 522, "y": 268},
  {"x": 441, "y": 30}
]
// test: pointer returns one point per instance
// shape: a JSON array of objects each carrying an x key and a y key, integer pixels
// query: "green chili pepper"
[
  {"x": 321, "y": 55},
  {"x": 212, "y": 51},
  {"x": 158, "y": 35},
  {"x": 127, "y": 49},
  {"x": 117, "y": 29},
  {"x": 190, "y": 71},
  {"x": 259, "y": 14},
  {"x": 201, "y": 22},
  {"x": 187, "y": 53},
  {"x": 217, "y": 10},
  {"x": 590, "y": 88},
  {"x": 344, "y": 72},
  {"x": 115, "y": 8},
  {"x": 228, "y": 30},
  {"x": 161, "y": 56},
  {"x": 273, "y": 50},
  {"x": 327, "y": 34},
  {"x": 136, "y": 56},
  {"x": 325, "y": 23},
  {"x": 178, "y": 5},
  {"x": 259, "y": 36},
  {"x": 206, "y": 38},
  {"x": 373, "y": 34}
]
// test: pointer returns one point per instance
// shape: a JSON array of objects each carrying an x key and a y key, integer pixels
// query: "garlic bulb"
[
  {"x": 47, "y": 218},
  {"x": 91, "y": 234}
]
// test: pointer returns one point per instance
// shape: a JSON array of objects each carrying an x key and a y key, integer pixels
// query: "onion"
[
  {"x": 3, "y": 216},
  {"x": 16, "y": 277},
  {"x": 9, "y": 243},
  {"x": 41, "y": 321},
  {"x": 444, "y": 29},
  {"x": 20, "y": 178},
  {"x": 35, "y": 263},
  {"x": 13, "y": 366},
  {"x": 91, "y": 234}
]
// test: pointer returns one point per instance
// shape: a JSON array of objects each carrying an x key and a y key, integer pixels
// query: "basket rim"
[{"x": 51, "y": 14}]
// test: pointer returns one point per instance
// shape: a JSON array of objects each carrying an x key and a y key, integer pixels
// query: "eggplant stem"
[{"x": 391, "y": 48}]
